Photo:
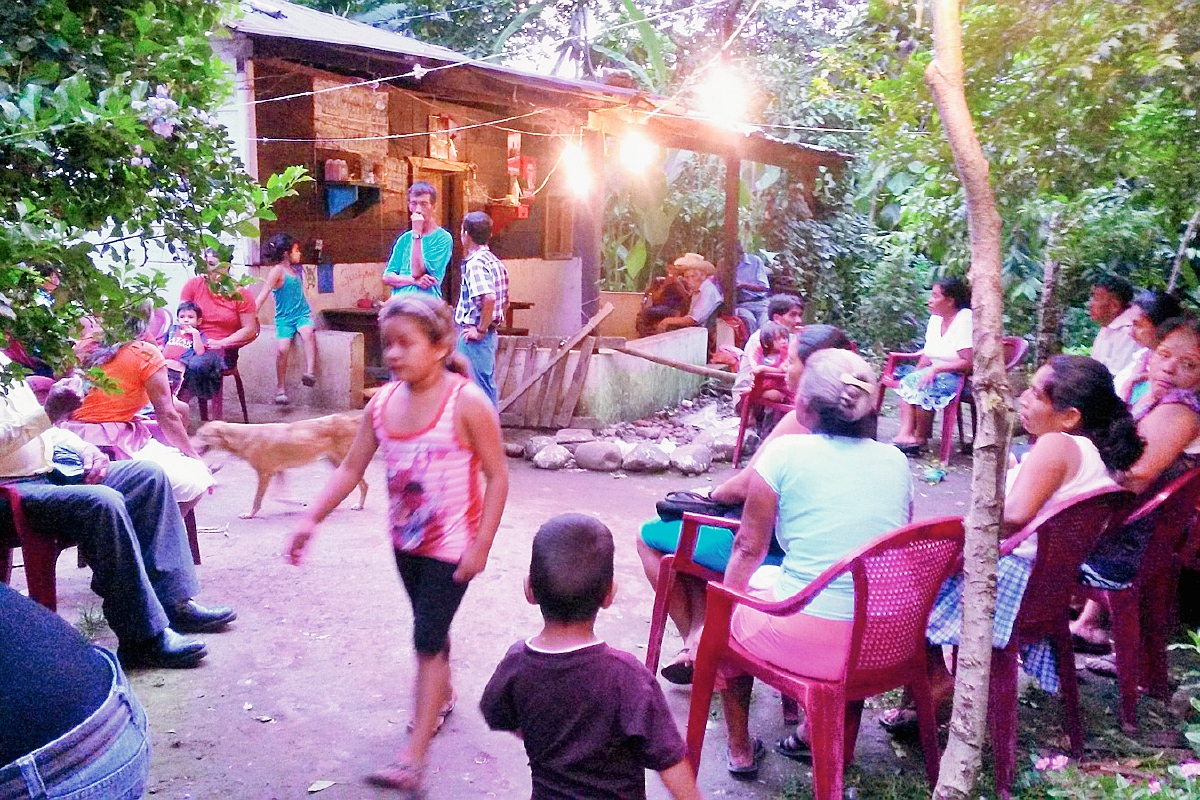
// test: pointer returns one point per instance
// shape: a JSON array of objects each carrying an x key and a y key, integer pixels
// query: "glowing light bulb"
[
  {"x": 722, "y": 95},
  {"x": 578, "y": 176},
  {"x": 637, "y": 152}
]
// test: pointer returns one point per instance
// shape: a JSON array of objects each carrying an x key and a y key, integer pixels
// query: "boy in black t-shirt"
[{"x": 592, "y": 718}]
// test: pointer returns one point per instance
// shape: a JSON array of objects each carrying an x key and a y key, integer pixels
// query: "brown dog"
[{"x": 273, "y": 447}]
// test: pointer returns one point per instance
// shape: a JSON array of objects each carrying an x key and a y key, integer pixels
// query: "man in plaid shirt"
[{"x": 481, "y": 301}]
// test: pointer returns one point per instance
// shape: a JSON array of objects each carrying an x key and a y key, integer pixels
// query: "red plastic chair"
[
  {"x": 39, "y": 551},
  {"x": 753, "y": 400},
  {"x": 888, "y": 380},
  {"x": 1143, "y": 614},
  {"x": 1015, "y": 350},
  {"x": 681, "y": 562},
  {"x": 1066, "y": 535},
  {"x": 896, "y": 579},
  {"x": 218, "y": 402}
]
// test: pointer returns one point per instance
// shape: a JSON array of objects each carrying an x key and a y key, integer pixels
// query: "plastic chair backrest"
[
  {"x": 895, "y": 583},
  {"x": 1015, "y": 348},
  {"x": 1171, "y": 511},
  {"x": 1066, "y": 534}
]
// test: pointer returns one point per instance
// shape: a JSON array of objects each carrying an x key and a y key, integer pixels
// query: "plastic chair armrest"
[{"x": 689, "y": 532}]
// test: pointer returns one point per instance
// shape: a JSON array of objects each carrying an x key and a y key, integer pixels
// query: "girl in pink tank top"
[{"x": 447, "y": 482}]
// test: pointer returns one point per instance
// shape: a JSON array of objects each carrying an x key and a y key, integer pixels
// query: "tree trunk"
[
  {"x": 1049, "y": 342},
  {"x": 944, "y": 76},
  {"x": 1188, "y": 234}
]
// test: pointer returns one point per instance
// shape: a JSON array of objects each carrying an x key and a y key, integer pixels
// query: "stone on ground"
[
  {"x": 574, "y": 436},
  {"x": 598, "y": 456},
  {"x": 721, "y": 443},
  {"x": 692, "y": 459},
  {"x": 536, "y": 444},
  {"x": 554, "y": 456},
  {"x": 646, "y": 457},
  {"x": 514, "y": 449}
]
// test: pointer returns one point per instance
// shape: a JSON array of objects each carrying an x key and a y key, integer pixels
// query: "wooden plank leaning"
[{"x": 530, "y": 380}]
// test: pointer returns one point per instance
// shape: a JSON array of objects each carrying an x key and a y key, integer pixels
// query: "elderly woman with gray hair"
[{"x": 823, "y": 494}]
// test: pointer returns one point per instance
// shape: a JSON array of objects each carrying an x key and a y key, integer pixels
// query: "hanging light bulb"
[
  {"x": 637, "y": 152},
  {"x": 721, "y": 95},
  {"x": 578, "y": 176}
]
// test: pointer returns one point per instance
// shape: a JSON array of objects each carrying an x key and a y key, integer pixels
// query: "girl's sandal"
[
  {"x": 405, "y": 777},
  {"x": 308, "y": 379},
  {"x": 281, "y": 399},
  {"x": 445, "y": 711}
]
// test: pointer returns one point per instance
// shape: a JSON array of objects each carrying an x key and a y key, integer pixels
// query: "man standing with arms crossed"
[
  {"x": 481, "y": 301},
  {"x": 420, "y": 256}
]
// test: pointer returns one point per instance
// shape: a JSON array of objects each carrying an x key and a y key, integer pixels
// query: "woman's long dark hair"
[{"x": 1085, "y": 384}]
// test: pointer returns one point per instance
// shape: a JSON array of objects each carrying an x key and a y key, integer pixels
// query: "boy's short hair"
[
  {"x": 1117, "y": 286},
  {"x": 571, "y": 570},
  {"x": 478, "y": 226},
  {"x": 780, "y": 304},
  {"x": 188, "y": 305}
]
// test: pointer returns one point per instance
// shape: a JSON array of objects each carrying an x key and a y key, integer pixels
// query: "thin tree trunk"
[
  {"x": 944, "y": 76},
  {"x": 1188, "y": 234},
  {"x": 1048, "y": 341}
]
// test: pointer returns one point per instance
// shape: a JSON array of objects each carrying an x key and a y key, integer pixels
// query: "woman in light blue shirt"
[{"x": 825, "y": 494}]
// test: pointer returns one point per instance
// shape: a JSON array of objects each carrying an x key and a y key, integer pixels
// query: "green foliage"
[
  {"x": 107, "y": 142},
  {"x": 1133, "y": 782}
]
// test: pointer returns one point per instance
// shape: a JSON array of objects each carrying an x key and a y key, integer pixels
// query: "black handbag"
[{"x": 676, "y": 504}]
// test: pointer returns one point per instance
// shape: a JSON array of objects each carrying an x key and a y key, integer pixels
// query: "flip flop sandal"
[
  {"x": 446, "y": 711},
  {"x": 308, "y": 379},
  {"x": 679, "y": 672},
  {"x": 405, "y": 777},
  {"x": 1101, "y": 665},
  {"x": 281, "y": 399},
  {"x": 793, "y": 747},
  {"x": 902, "y": 725},
  {"x": 750, "y": 771}
]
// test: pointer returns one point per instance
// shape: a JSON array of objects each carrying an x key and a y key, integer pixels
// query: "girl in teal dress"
[{"x": 292, "y": 313}]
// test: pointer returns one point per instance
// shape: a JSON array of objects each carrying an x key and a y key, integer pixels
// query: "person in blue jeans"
[
  {"x": 70, "y": 725},
  {"x": 481, "y": 302}
]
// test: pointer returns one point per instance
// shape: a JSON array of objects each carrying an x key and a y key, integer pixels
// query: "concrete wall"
[
  {"x": 339, "y": 373},
  {"x": 623, "y": 387},
  {"x": 553, "y": 287}
]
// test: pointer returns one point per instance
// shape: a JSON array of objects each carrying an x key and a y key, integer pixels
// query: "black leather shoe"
[
  {"x": 191, "y": 617},
  {"x": 168, "y": 650}
]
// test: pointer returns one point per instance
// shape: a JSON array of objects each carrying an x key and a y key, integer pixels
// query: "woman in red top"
[{"x": 228, "y": 320}]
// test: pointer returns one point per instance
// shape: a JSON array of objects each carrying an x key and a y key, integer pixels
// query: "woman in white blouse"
[{"x": 945, "y": 358}]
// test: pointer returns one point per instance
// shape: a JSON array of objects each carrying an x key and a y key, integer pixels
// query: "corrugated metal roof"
[{"x": 279, "y": 19}]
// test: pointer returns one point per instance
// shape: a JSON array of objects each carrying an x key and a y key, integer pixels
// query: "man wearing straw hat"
[{"x": 699, "y": 279}]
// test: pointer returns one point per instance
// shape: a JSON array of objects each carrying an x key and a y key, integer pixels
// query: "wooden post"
[
  {"x": 588, "y": 224},
  {"x": 727, "y": 263}
]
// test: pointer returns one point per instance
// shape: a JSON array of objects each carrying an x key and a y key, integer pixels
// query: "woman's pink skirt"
[{"x": 810, "y": 646}]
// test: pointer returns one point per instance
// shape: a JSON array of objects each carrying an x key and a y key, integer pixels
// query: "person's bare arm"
[
  {"x": 416, "y": 259},
  {"x": 480, "y": 428},
  {"x": 736, "y": 488},
  {"x": 754, "y": 536},
  {"x": 680, "y": 781},
  {"x": 273, "y": 281},
  {"x": 485, "y": 319},
  {"x": 961, "y": 364},
  {"x": 198, "y": 343},
  {"x": 242, "y": 336},
  {"x": 340, "y": 484},
  {"x": 165, "y": 413},
  {"x": 1054, "y": 460},
  {"x": 396, "y": 280},
  {"x": 1167, "y": 430}
]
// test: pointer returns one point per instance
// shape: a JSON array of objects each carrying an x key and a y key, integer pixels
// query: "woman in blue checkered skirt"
[{"x": 1084, "y": 434}]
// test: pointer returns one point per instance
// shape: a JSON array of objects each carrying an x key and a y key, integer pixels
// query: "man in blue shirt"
[
  {"x": 420, "y": 256},
  {"x": 753, "y": 286}
]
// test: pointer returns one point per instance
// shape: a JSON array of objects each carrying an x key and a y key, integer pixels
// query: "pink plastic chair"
[
  {"x": 1143, "y": 615},
  {"x": 680, "y": 562},
  {"x": 1015, "y": 349},
  {"x": 752, "y": 401},
  {"x": 896, "y": 579},
  {"x": 1066, "y": 534}
]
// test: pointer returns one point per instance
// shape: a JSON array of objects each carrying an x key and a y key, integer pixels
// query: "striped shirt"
[
  {"x": 482, "y": 274},
  {"x": 433, "y": 479}
]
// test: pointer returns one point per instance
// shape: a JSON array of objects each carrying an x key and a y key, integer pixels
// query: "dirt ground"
[{"x": 313, "y": 681}]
